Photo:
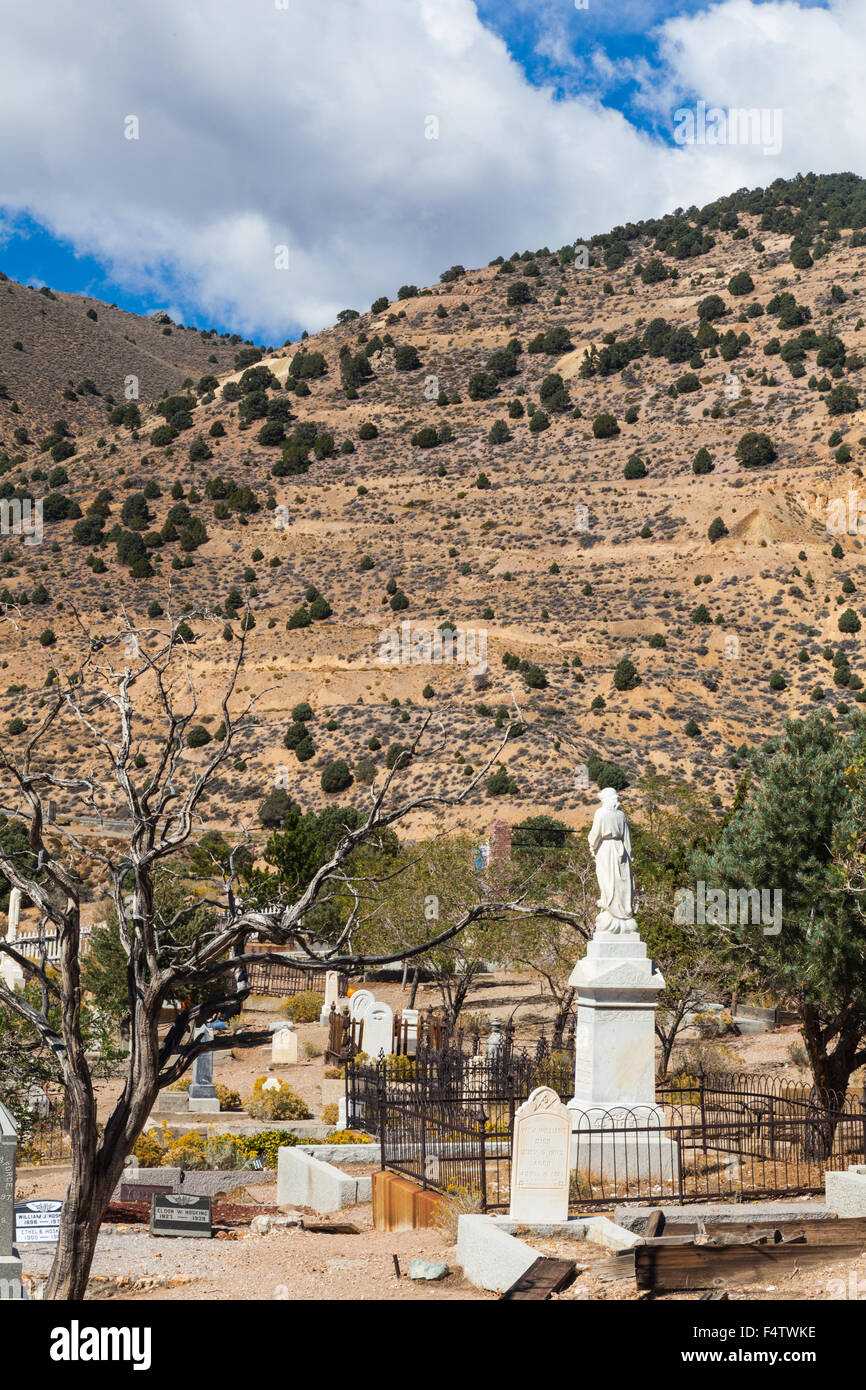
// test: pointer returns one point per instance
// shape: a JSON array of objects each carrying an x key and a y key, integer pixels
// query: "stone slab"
[
  {"x": 489, "y": 1257},
  {"x": 732, "y": 1214},
  {"x": 171, "y": 1103},
  {"x": 343, "y": 1153},
  {"x": 238, "y": 1122},
  {"x": 333, "y": 1091},
  {"x": 846, "y": 1192},
  {"x": 203, "y": 1105},
  {"x": 608, "y": 1154},
  {"x": 199, "y": 1183}
]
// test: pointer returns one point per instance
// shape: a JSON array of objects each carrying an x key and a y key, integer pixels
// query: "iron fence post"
[
  {"x": 423, "y": 1112},
  {"x": 380, "y": 1104},
  {"x": 482, "y": 1121},
  {"x": 701, "y": 1102}
]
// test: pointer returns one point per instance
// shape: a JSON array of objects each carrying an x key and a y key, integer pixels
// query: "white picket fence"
[{"x": 32, "y": 945}]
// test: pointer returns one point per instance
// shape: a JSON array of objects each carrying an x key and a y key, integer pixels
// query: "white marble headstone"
[
  {"x": 284, "y": 1047},
  {"x": 360, "y": 1003},
  {"x": 379, "y": 1029},
  {"x": 332, "y": 996},
  {"x": 540, "y": 1159}
]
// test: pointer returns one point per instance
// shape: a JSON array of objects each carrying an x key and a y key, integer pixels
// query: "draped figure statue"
[{"x": 610, "y": 842}]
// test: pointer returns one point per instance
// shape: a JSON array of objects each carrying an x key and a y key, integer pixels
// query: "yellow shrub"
[
  {"x": 229, "y": 1100},
  {"x": 148, "y": 1150},
  {"x": 276, "y": 1104},
  {"x": 189, "y": 1151},
  {"x": 330, "y": 1113},
  {"x": 304, "y": 1007},
  {"x": 348, "y": 1136}
]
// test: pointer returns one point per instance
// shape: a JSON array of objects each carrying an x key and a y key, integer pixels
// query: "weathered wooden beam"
[{"x": 544, "y": 1277}]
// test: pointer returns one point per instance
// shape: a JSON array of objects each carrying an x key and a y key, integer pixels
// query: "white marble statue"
[{"x": 610, "y": 842}]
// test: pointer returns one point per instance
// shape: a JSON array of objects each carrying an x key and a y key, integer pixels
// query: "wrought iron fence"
[
  {"x": 446, "y": 1149},
  {"x": 707, "y": 1138},
  {"x": 43, "y": 1130},
  {"x": 766, "y": 1145},
  {"x": 459, "y": 1073}
]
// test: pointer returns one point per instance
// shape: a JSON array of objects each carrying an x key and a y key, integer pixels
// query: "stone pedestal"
[
  {"x": 10, "y": 971},
  {"x": 332, "y": 996},
  {"x": 616, "y": 1125},
  {"x": 10, "y": 1264},
  {"x": 202, "y": 1092}
]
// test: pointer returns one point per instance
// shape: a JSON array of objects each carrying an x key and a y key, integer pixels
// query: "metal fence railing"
[{"x": 447, "y": 1120}]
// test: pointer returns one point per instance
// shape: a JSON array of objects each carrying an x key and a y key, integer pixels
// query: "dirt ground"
[
  {"x": 504, "y": 994},
  {"x": 288, "y": 1263},
  {"x": 291, "y": 1263}
]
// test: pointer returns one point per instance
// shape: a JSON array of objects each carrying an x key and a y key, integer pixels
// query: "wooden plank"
[
  {"x": 655, "y": 1225},
  {"x": 331, "y": 1228},
  {"x": 543, "y": 1277},
  {"x": 664, "y": 1268},
  {"x": 841, "y": 1231}
]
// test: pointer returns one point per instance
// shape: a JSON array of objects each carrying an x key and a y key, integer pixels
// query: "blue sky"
[{"x": 271, "y": 122}]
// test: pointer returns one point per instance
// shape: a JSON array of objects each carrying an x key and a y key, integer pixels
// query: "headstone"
[
  {"x": 14, "y": 912},
  {"x": 171, "y": 1102},
  {"x": 540, "y": 1159},
  {"x": 38, "y": 1222},
  {"x": 284, "y": 1047},
  {"x": 10, "y": 1264},
  {"x": 143, "y": 1191},
  {"x": 332, "y": 995},
  {"x": 360, "y": 1002},
  {"x": 202, "y": 1092},
  {"x": 10, "y": 971},
  {"x": 179, "y": 1214},
  {"x": 409, "y": 1026},
  {"x": 379, "y": 1029},
  {"x": 475, "y": 1078}
]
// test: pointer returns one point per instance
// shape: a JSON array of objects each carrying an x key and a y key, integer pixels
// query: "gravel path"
[{"x": 285, "y": 1264}]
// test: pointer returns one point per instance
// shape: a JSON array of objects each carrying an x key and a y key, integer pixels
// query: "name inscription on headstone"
[
  {"x": 540, "y": 1159},
  {"x": 38, "y": 1222},
  {"x": 543, "y": 1160},
  {"x": 177, "y": 1214}
]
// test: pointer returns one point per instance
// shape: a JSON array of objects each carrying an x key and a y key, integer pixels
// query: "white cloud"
[{"x": 306, "y": 126}]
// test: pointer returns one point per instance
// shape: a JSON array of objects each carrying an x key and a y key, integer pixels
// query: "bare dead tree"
[{"x": 153, "y": 696}]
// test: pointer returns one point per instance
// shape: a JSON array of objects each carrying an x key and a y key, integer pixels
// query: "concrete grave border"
[{"x": 305, "y": 1181}]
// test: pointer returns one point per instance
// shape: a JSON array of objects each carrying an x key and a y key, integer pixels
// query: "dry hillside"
[{"x": 556, "y": 558}]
